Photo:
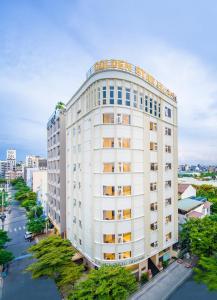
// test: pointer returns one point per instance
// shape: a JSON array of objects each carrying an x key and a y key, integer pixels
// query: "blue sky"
[{"x": 47, "y": 46}]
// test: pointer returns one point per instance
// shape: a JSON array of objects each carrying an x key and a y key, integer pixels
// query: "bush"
[
  {"x": 165, "y": 263},
  {"x": 144, "y": 278}
]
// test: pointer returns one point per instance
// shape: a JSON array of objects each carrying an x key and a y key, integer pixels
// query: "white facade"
[
  {"x": 121, "y": 170},
  {"x": 39, "y": 186},
  {"x": 32, "y": 161},
  {"x": 11, "y": 159}
]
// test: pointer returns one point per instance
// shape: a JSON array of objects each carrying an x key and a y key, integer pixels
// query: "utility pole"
[{"x": 2, "y": 216}]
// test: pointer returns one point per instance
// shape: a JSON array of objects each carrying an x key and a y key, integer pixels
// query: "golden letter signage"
[{"x": 125, "y": 66}]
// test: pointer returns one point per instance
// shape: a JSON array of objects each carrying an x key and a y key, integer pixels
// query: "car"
[{"x": 28, "y": 235}]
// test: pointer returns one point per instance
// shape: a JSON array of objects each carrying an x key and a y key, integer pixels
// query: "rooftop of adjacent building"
[{"x": 188, "y": 204}]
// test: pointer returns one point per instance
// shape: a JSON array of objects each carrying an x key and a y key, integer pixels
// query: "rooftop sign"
[{"x": 127, "y": 67}]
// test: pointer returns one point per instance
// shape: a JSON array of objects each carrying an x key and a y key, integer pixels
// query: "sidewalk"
[{"x": 164, "y": 283}]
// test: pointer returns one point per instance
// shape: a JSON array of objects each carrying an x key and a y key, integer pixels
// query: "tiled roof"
[
  {"x": 188, "y": 204},
  {"x": 207, "y": 204},
  {"x": 194, "y": 214},
  {"x": 182, "y": 187}
]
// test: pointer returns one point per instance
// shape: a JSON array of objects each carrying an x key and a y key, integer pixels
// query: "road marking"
[
  {"x": 20, "y": 228},
  {"x": 15, "y": 229},
  {"x": 22, "y": 257},
  {"x": 24, "y": 227}
]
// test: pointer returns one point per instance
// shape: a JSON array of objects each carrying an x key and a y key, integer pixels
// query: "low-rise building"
[
  {"x": 194, "y": 207},
  {"x": 186, "y": 190},
  {"x": 39, "y": 186}
]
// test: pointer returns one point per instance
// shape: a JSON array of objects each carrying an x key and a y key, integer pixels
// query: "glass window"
[
  {"x": 108, "y": 142},
  {"x": 140, "y": 101},
  {"x": 126, "y": 167},
  {"x": 155, "y": 108},
  {"x": 108, "y": 118},
  {"x": 126, "y": 237},
  {"x": 153, "y": 126},
  {"x": 153, "y": 206},
  {"x": 109, "y": 256},
  {"x": 154, "y": 167},
  {"x": 126, "y": 119},
  {"x": 125, "y": 143},
  {"x": 127, "y": 97},
  {"x": 153, "y": 226},
  {"x": 126, "y": 213},
  {"x": 119, "y": 95},
  {"x": 159, "y": 110},
  {"x": 168, "y": 183},
  {"x": 99, "y": 96},
  {"x": 108, "y": 215},
  {"x": 153, "y": 186},
  {"x": 111, "y": 95},
  {"x": 168, "y": 149},
  {"x": 104, "y": 94},
  {"x": 126, "y": 190},
  {"x": 146, "y": 103},
  {"x": 134, "y": 98},
  {"x": 153, "y": 146},
  {"x": 151, "y": 106},
  {"x": 109, "y": 238},
  {"x": 168, "y": 112},
  {"x": 168, "y": 201},
  {"x": 168, "y": 131},
  {"x": 119, "y": 118},
  {"x": 124, "y": 255},
  {"x": 168, "y": 166},
  {"x": 108, "y": 167},
  {"x": 168, "y": 236},
  {"x": 108, "y": 190}
]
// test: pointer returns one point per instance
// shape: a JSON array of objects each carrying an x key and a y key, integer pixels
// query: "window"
[
  {"x": 108, "y": 215},
  {"x": 98, "y": 94},
  {"x": 153, "y": 226},
  {"x": 74, "y": 167},
  {"x": 104, "y": 94},
  {"x": 80, "y": 242},
  {"x": 108, "y": 190},
  {"x": 109, "y": 238},
  {"x": 108, "y": 118},
  {"x": 126, "y": 167},
  {"x": 168, "y": 131},
  {"x": 109, "y": 256},
  {"x": 153, "y": 146},
  {"x": 126, "y": 119},
  {"x": 154, "y": 167},
  {"x": 146, "y": 103},
  {"x": 155, "y": 108},
  {"x": 126, "y": 214},
  {"x": 153, "y": 186},
  {"x": 168, "y": 219},
  {"x": 80, "y": 224},
  {"x": 111, "y": 95},
  {"x": 168, "y": 236},
  {"x": 128, "y": 97},
  {"x": 124, "y": 255},
  {"x": 119, "y": 95},
  {"x": 140, "y": 101},
  {"x": 168, "y": 183},
  {"x": 168, "y": 149},
  {"x": 134, "y": 98},
  {"x": 168, "y": 166},
  {"x": 159, "y": 110},
  {"x": 154, "y": 245},
  {"x": 153, "y": 206},
  {"x": 168, "y": 112},
  {"x": 168, "y": 201},
  {"x": 123, "y": 142},
  {"x": 126, "y": 190},
  {"x": 124, "y": 237},
  {"x": 108, "y": 142},
  {"x": 108, "y": 167},
  {"x": 79, "y": 129},
  {"x": 151, "y": 106},
  {"x": 153, "y": 126}
]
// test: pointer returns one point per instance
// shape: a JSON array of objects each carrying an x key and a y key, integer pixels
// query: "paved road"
[
  {"x": 163, "y": 284},
  {"x": 19, "y": 285}
]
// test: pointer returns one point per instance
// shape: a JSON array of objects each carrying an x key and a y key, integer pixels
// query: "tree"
[
  {"x": 54, "y": 260},
  {"x": 108, "y": 282},
  {"x": 5, "y": 256},
  {"x": 36, "y": 225},
  {"x": 35, "y": 212},
  {"x": 60, "y": 106},
  {"x": 206, "y": 272},
  {"x": 3, "y": 238},
  {"x": 28, "y": 204}
]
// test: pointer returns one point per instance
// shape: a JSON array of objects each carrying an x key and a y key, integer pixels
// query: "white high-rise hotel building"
[{"x": 121, "y": 167}]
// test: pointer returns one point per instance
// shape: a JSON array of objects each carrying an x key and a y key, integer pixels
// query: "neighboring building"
[
  {"x": 56, "y": 139},
  {"x": 42, "y": 163},
  {"x": 186, "y": 190},
  {"x": 121, "y": 158},
  {"x": 3, "y": 168},
  {"x": 39, "y": 186},
  {"x": 195, "y": 207},
  {"x": 10, "y": 174},
  {"x": 35, "y": 161},
  {"x": 28, "y": 176},
  {"x": 11, "y": 159}
]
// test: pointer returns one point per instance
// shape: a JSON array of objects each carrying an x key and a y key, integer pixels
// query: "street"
[{"x": 17, "y": 284}]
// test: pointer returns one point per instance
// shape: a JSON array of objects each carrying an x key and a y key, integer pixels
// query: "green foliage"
[
  {"x": 2, "y": 180},
  {"x": 60, "y": 106},
  {"x": 34, "y": 211},
  {"x": 109, "y": 282},
  {"x": 28, "y": 204},
  {"x": 165, "y": 263},
  {"x": 144, "y": 278},
  {"x": 5, "y": 256},
  {"x": 54, "y": 260},
  {"x": 199, "y": 236},
  {"x": 207, "y": 190},
  {"x": 36, "y": 225},
  {"x": 206, "y": 272},
  {"x": 3, "y": 238}
]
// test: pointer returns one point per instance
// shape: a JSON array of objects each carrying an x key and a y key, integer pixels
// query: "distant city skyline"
[{"x": 48, "y": 46}]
